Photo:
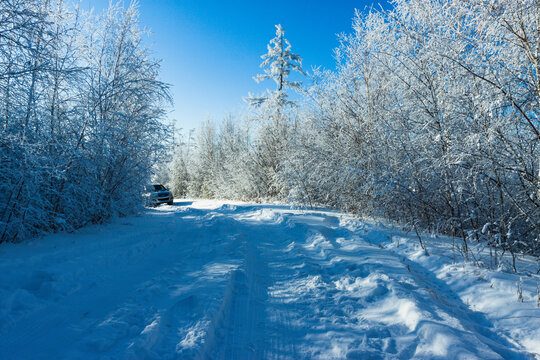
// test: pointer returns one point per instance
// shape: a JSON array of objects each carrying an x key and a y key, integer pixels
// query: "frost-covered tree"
[
  {"x": 80, "y": 116},
  {"x": 219, "y": 164},
  {"x": 430, "y": 120},
  {"x": 234, "y": 170},
  {"x": 273, "y": 113},
  {"x": 179, "y": 176},
  {"x": 278, "y": 63}
]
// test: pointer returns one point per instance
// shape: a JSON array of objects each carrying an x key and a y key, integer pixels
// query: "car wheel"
[{"x": 170, "y": 203}]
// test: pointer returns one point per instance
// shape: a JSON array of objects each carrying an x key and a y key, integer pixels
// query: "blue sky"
[{"x": 211, "y": 49}]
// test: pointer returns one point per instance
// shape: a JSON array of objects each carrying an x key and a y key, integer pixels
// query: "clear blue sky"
[{"x": 211, "y": 48}]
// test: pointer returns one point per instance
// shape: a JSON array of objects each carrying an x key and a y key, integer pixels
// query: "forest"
[{"x": 430, "y": 119}]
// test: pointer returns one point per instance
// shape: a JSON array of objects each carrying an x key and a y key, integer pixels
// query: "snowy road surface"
[{"x": 209, "y": 280}]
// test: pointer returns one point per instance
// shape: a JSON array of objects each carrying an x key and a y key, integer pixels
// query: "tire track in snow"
[
  {"x": 349, "y": 299},
  {"x": 237, "y": 330},
  {"x": 176, "y": 322},
  {"x": 251, "y": 323},
  {"x": 257, "y": 281},
  {"x": 130, "y": 307}
]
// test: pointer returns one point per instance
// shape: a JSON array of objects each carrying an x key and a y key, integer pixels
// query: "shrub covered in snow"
[{"x": 80, "y": 115}]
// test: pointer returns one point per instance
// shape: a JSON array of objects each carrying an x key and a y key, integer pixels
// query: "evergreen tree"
[
  {"x": 278, "y": 63},
  {"x": 269, "y": 153}
]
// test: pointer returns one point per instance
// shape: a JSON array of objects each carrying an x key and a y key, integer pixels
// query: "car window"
[{"x": 159, "y": 187}]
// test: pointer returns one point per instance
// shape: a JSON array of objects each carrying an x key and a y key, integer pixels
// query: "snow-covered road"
[{"x": 231, "y": 281}]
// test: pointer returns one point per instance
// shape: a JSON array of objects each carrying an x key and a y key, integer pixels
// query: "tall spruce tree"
[
  {"x": 278, "y": 63},
  {"x": 273, "y": 115}
]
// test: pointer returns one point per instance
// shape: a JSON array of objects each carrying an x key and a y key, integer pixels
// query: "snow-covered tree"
[
  {"x": 80, "y": 116},
  {"x": 273, "y": 113},
  {"x": 278, "y": 63}
]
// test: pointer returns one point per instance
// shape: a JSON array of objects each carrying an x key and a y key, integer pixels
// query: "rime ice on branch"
[{"x": 278, "y": 63}]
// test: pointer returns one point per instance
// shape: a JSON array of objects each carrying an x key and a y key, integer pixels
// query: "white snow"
[{"x": 208, "y": 279}]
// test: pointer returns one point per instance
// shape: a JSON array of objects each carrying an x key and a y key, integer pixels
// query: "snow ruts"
[{"x": 213, "y": 281}]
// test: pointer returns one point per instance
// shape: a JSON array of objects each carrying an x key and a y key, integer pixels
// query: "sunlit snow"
[{"x": 214, "y": 280}]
